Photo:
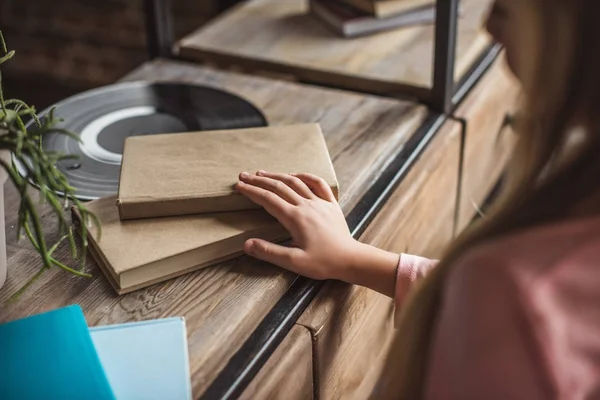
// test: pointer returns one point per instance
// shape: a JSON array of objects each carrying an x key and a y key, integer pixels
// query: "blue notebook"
[
  {"x": 50, "y": 356},
  {"x": 145, "y": 360}
]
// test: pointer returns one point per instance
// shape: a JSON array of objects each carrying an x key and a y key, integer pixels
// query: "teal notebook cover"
[
  {"x": 145, "y": 360},
  {"x": 50, "y": 356}
]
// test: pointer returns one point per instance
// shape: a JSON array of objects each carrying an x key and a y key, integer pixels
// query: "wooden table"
[
  {"x": 280, "y": 36},
  {"x": 223, "y": 304}
]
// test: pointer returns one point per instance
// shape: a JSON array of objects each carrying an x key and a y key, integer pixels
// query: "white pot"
[{"x": 3, "y": 177}]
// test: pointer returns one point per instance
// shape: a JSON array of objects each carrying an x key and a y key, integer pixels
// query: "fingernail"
[
  {"x": 261, "y": 172},
  {"x": 250, "y": 247},
  {"x": 244, "y": 174},
  {"x": 294, "y": 174}
]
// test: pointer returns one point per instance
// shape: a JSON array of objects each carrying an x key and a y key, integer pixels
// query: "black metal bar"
[
  {"x": 372, "y": 201},
  {"x": 481, "y": 66},
  {"x": 224, "y": 5},
  {"x": 446, "y": 22},
  {"x": 245, "y": 364},
  {"x": 159, "y": 28}
]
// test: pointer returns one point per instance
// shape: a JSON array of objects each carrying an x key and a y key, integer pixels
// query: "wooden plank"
[
  {"x": 488, "y": 143},
  {"x": 352, "y": 326},
  {"x": 222, "y": 304},
  {"x": 288, "y": 374},
  {"x": 281, "y": 36}
]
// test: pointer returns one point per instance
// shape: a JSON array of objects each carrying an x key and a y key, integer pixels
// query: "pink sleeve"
[{"x": 410, "y": 269}]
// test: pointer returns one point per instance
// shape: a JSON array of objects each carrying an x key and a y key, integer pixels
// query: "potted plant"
[{"x": 24, "y": 162}]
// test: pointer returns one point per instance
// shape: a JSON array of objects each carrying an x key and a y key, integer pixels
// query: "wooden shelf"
[{"x": 281, "y": 36}]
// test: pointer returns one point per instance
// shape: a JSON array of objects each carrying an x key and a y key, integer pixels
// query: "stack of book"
[
  {"x": 352, "y": 18},
  {"x": 56, "y": 356},
  {"x": 177, "y": 209}
]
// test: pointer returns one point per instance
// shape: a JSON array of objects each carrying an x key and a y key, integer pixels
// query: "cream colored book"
[
  {"x": 136, "y": 254},
  {"x": 192, "y": 173}
]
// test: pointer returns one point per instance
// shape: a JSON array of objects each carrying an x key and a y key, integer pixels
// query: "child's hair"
[{"x": 550, "y": 177}]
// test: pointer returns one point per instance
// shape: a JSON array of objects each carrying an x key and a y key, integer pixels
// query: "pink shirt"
[{"x": 520, "y": 317}]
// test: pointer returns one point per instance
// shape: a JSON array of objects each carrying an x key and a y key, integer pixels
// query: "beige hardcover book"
[
  {"x": 192, "y": 173},
  {"x": 136, "y": 254},
  {"x": 387, "y": 8}
]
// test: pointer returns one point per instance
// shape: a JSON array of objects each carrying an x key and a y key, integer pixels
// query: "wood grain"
[
  {"x": 288, "y": 374},
  {"x": 352, "y": 326},
  {"x": 280, "y": 36},
  {"x": 488, "y": 144},
  {"x": 222, "y": 304}
]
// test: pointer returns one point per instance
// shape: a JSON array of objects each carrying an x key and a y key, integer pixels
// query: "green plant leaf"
[{"x": 40, "y": 172}]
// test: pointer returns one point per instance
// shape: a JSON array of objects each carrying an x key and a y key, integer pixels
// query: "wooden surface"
[
  {"x": 351, "y": 325},
  {"x": 280, "y": 36},
  {"x": 222, "y": 304},
  {"x": 288, "y": 374},
  {"x": 488, "y": 145},
  {"x": 351, "y": 328}
]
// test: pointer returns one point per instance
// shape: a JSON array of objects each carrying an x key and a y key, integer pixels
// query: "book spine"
[
  {"x": 367, "y": 6},
  {"x": 140, "y": 208}
]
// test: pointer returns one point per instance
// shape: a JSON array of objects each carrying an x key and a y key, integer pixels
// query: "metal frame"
[
  {"x": 160, "y": 37},
  {"x": 443, "y": 89}
]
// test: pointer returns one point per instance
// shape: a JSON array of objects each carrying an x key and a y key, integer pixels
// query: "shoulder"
[
  {"x": 518, "y": 298},
  {"x": 503, "y": 326},
  {"x": 537, "y": 256}
]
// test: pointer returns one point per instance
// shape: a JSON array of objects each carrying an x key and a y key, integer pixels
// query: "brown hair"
[{"x": 548, "y": 179}]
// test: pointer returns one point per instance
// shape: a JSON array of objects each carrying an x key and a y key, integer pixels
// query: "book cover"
[
  {"x": 388, "y": 8},
  {"x": 145, "y": 360},
  {"x": 51, "y": 356},
  {"x": 192, "y": 173},
  {"x": 350, "y": 22},
  {"x": 138, "y": 253}
]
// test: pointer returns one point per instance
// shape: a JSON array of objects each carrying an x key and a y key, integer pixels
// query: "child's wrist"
[
  {"x": 357, "y": 263},
  {"x": 372, "y": 267}
]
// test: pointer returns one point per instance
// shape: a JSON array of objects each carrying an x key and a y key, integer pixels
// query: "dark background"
[{"x": 67, "y": 46}]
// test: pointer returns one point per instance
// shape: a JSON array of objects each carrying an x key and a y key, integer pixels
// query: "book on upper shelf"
[
  {"x": 146, "y": 359},
  {"x": 51, "y": 356},
  {"x": 193, "y": 173},
  {"x": 351, "y": 22},
  {"x": 138, "y": 253},
  {"x": 388, "y": 8}
]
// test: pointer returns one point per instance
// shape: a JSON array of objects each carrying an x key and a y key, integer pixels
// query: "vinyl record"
[{"x": 105, "y": 117}]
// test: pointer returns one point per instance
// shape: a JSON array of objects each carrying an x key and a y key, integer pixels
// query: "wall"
[{"x": 66, "y": 46}]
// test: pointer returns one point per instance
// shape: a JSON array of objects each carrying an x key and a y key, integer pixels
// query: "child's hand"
[{"x": 304, "y": 204}]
